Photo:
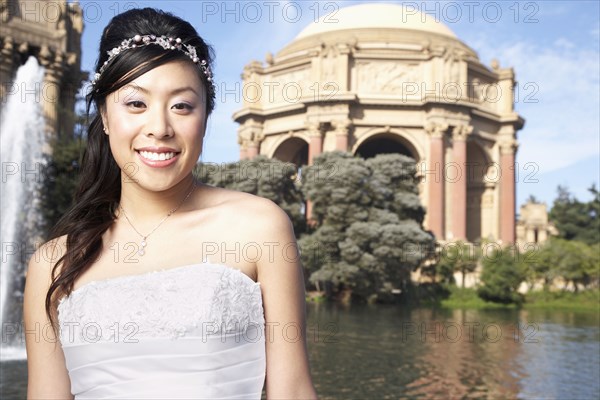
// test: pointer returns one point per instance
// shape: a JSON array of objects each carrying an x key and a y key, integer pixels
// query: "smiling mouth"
[{"x": 152, "y": 156}]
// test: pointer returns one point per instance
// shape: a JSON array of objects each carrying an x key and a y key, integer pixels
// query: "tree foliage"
[
  {"x": 457, "y": 257},
  {"x": 503, "y": 272},
  {"x": 369, "y": 235},
  {"x": 576, "y": 220},
  {"x": 60, "y": 176},
  {"x": 574, "y": 261},
  {"x": 261, "y": 176}
]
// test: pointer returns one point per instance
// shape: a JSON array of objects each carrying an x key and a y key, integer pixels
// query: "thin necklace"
[{"x": 143, "y": 243}]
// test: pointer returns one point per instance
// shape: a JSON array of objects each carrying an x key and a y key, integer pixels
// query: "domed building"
[{"x": 382, "y": 78}]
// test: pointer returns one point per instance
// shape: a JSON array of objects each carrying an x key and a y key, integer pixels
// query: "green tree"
[
  {"x": 60, "y": 177},
  {"x": 261, "y": 176},
  {"x": 503, "y": 272},
  {"x": 592, "y": 266},
  {"x": 576, "y": 220},
  {"x": 457, "y": 257},
  {"x": 369, "y": 236},
  {"x": 539, "y": 265},
  {"x": 573, "y": 261}
]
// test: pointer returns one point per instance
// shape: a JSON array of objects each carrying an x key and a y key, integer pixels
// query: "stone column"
[
  {"x": 51, "y": 87},
  {"x": 250, "y": 135},
  {"x": 6, "y": 66},
  {"x": 251, "y": 96},
  {"x": 315, "y": 146},
  {"x": 542, "y": 234},
  {"x": 459, "y": 185},
  {"x": 252, "y": 148},
  {"x": 243, "y": 154},
  {"x": 435, "y": 177},
  {"x": 507, "y": 191},
  {"x": 341, "y": 134},
  {"x": 506, "y": 85},
  {"x": 242, "y": 138},
  {"x": 343, "y": 65}
]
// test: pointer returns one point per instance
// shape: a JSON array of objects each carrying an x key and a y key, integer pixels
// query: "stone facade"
[
  {"x": 372, "y": 84},
  {"x": 533, "y": 227},
  {"x": 51, "y": 32}
]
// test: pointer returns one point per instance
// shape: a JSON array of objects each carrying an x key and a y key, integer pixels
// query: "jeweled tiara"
[{"x": 165, "y": 42}]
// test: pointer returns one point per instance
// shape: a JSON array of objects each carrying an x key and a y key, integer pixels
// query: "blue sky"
[{"x": 553, "y": 46}]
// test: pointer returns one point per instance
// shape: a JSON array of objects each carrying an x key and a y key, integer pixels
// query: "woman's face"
[{"x": 156, "y": 124}]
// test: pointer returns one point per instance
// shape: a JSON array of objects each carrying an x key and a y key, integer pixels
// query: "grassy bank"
[
  {"x": 467, "y": 298},
  {"x": 584, "y": 300},
  {"x": 587, "y": 300}
]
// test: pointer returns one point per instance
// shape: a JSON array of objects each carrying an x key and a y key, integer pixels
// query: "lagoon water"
[
  {"x": 393, "y": 352},
  {"x": 390, "y": 352}
]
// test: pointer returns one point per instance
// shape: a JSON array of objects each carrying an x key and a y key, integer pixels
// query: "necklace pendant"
[{"x": 142, "y": 249}]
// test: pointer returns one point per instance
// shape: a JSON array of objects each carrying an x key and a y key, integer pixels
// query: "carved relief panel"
[{"x": 387, "y": 77}]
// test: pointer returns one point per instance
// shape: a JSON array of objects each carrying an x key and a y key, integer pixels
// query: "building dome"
[
  {"x": 382, "y": 78},
  {"x": 376, "y": 16}
]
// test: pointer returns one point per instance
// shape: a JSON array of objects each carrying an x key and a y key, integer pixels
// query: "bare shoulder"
[
  {"x": 40, "y": 270},
  {"x": 46, "y": 256}
]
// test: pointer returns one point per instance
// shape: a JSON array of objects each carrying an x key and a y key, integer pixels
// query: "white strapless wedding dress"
[{"x": 191, "y": 332}]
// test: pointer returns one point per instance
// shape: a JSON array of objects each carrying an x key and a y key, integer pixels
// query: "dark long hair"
[{"x": 99, "y": 188}]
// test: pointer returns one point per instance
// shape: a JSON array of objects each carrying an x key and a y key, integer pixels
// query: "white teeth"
[{"x": 156, "y": 156}]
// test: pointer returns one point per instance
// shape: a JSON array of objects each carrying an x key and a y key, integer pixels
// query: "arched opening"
[
  {"x": 477, "y": 170},
  {"x": 386, "y": 143},
  {"x": 293, "y": 150}
]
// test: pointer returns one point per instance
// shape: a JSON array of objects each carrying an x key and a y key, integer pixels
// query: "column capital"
[
  {"x": 45, "y": 56},
  {"x": 71, "y": 58},
  {"x": 250, "y": 133},
  {"x": 314, "y": 128},
  {"x": 346, "y": 48},
  {"x": 245, "y": 143},
  {"x": 23, "y": 47},
  {"x": 8, "y": 44},
  {"x": 436, "y": 130},
  {"x": 508, "y": 146},
  {"x": 460, "y": 132},
  {"x": 341, "y": 126}
]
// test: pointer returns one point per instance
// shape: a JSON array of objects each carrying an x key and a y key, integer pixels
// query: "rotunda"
[{"x": 384, "y": 78}]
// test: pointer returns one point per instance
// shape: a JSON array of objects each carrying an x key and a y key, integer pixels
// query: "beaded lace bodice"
[
  {"x": 196, "y": 299},
  {"x": 195, "y": 331}
]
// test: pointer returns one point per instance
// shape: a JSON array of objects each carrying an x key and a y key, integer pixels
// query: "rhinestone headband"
[{"x": 165, "y": 42}]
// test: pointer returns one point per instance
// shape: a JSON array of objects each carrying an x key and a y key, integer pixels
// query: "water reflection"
[
  {"x": 391, "y": 352},
  {"x": 394, "y": 352}
]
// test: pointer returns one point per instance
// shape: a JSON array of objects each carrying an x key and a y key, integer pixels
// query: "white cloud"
[
  {"x": 561, "y": 128},
  {"x": 558, "y": 97},
  {"x": 565, "y": 43}
]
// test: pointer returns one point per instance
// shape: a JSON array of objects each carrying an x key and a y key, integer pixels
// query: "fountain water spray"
[{"x": 22, "y": 139}]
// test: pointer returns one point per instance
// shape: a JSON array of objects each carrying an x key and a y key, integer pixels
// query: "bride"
[{"x": 155, "y": 285}]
